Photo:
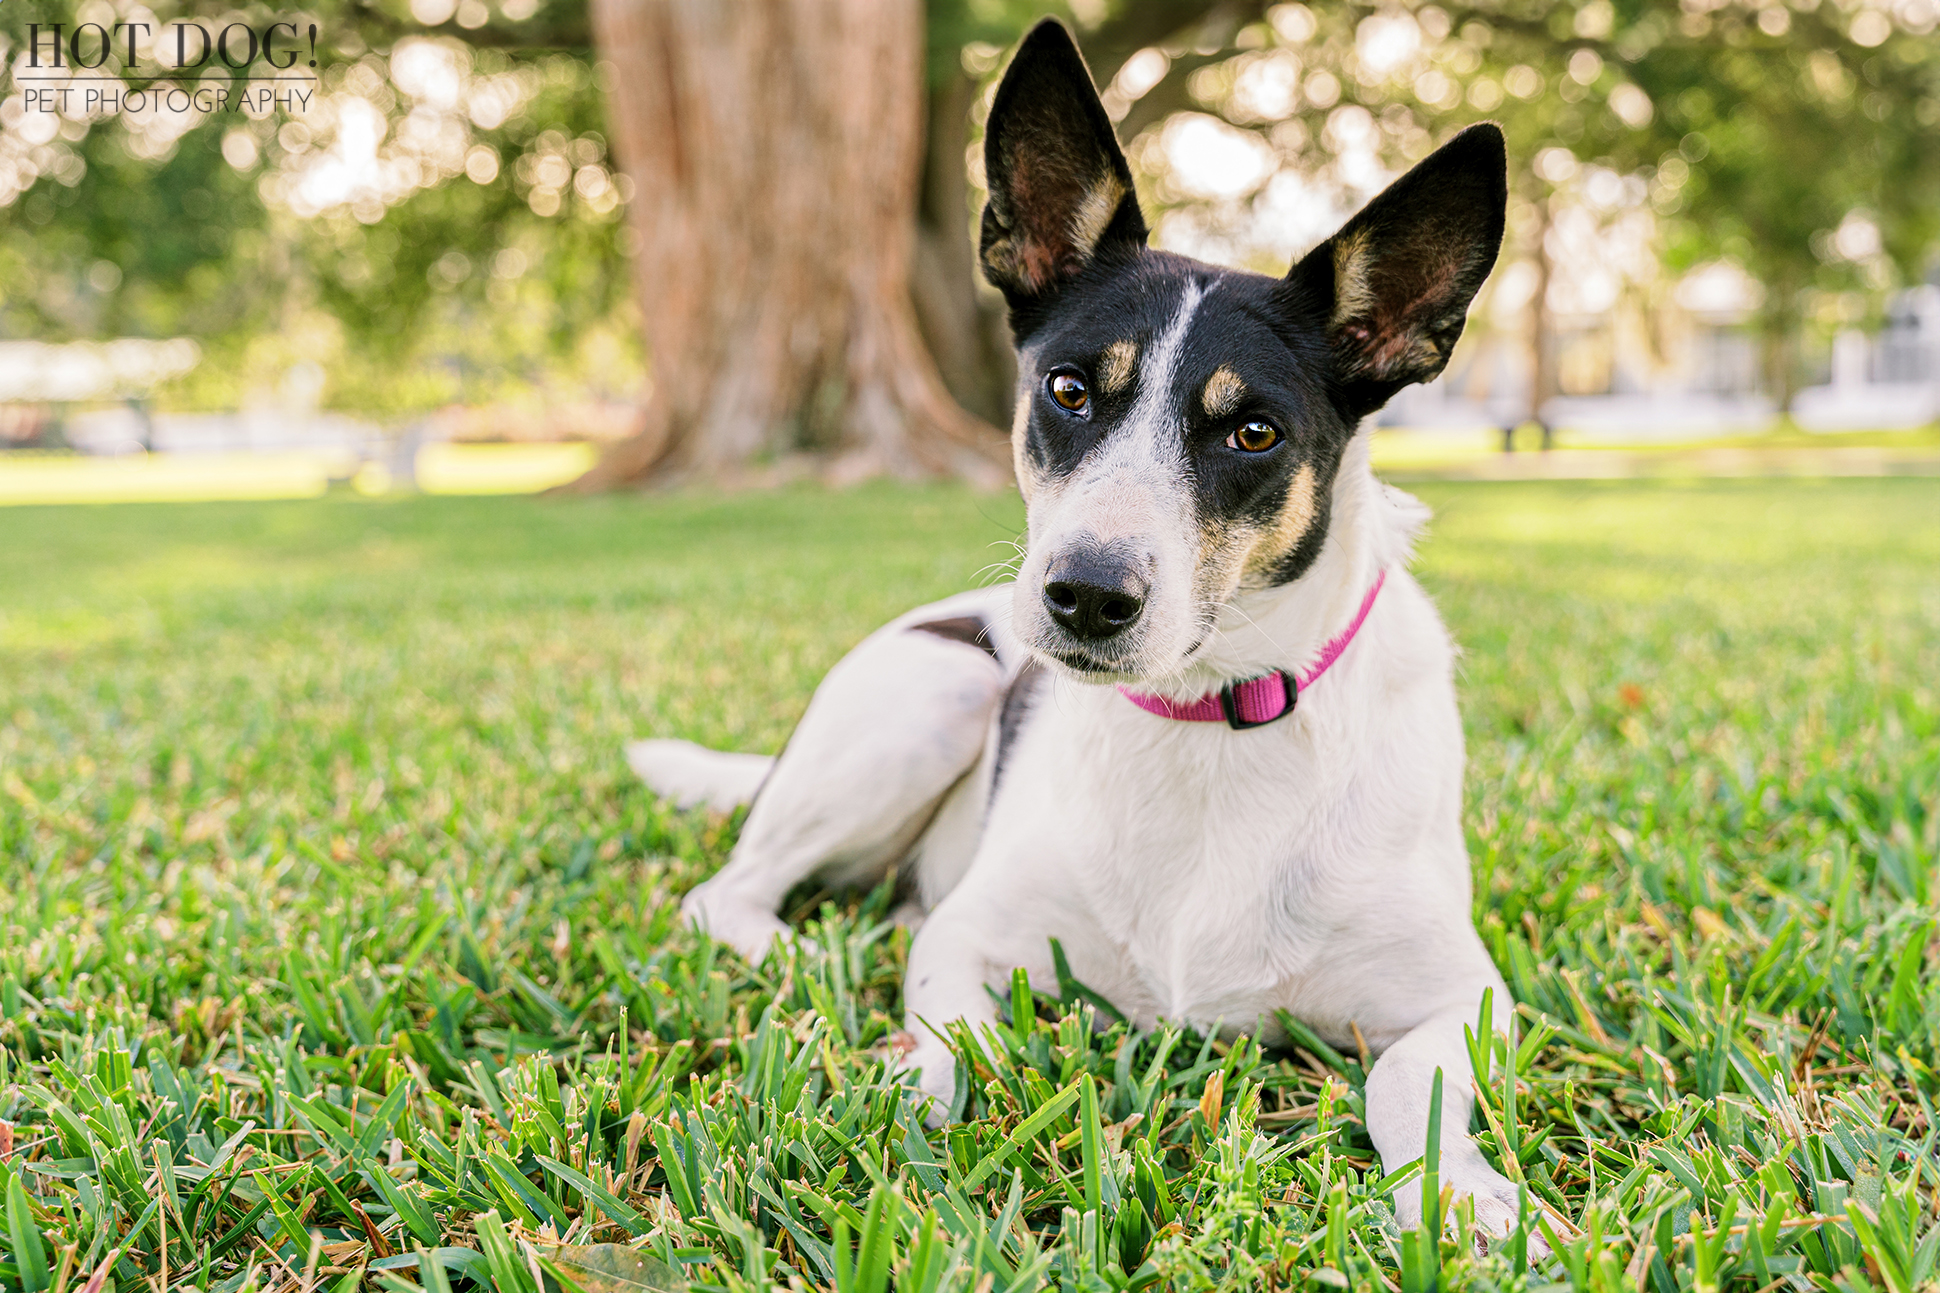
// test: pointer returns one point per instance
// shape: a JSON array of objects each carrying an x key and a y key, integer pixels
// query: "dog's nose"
[{"x": 1093, "y": 596}]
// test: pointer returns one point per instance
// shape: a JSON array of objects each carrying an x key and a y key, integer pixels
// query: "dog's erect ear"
[
  {"x": 1060, "y": 191},
  {"x": 1396, "y": 281}
]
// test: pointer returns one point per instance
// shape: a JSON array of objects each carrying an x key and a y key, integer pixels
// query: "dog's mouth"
[
  {"x": 1127, "y": 661},
  {"x": 1132, "y": 664},
  {"x": 1131, "y": 670},
  {"x": 1090, "y": 667}
]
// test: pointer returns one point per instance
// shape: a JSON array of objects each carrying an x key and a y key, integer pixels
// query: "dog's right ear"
[{"x": 1060, "y": 191}]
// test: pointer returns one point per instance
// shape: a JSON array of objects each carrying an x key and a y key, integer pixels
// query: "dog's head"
[{"x": 1179, "y": 426}]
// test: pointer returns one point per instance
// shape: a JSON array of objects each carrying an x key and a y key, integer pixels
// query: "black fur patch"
[
  {"x": 967, "y": 629},
  {"x": 1060, "y": 189},
  {"x": 1248, "y": 323},
  {"x": 1018, "y": 702},
  {"x": 1397, "y": 280}
]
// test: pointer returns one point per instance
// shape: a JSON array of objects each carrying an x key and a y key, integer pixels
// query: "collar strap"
[{"x": 1255, "y": 702}]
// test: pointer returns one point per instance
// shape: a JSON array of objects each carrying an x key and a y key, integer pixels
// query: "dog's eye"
[
  {"x": 1254, "y": 437},
  {"x": 1068, "y": 389}
]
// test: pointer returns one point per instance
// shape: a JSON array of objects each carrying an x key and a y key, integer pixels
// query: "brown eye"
[
  {"x": 1254, "y": 437},
  {"x": 1068, "y": 389}
]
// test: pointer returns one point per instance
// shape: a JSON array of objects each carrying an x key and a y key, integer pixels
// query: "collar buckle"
[{"x": 1229, "y": 701}]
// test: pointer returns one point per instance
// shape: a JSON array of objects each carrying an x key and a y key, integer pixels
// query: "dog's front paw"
[
  {"x": 1492, "y": 1196},
  {"x": 935, "y": 1071},
  {"x": 746, "y": 928}
]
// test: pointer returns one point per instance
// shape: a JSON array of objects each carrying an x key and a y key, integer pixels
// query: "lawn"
[{"x": 334, "y": 933}]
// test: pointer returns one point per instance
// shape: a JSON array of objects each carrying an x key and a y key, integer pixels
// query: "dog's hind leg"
[{"x": 893, "y": 727}]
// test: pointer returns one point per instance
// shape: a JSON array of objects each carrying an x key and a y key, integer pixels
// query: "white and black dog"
[{"x": 1108, "y": 751}]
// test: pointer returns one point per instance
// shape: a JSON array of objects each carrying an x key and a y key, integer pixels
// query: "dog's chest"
[{"x": 1194, "y": 863}]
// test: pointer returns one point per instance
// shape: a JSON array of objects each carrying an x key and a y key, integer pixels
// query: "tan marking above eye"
[
  {"x": 1115, "y": 366},
  {"x": 1224, "y": 390}
]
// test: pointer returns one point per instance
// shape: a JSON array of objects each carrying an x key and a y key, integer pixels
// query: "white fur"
[
  {"x": 692, "y": 776},
  {"x": 1130, "y": 493},
  {"x": 1315, "y": 865}
]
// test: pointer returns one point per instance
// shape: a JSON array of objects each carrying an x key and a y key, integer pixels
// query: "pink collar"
[{"x": 1256, "y": 702}]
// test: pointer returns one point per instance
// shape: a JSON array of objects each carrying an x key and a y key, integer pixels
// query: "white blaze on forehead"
[
  {"x": 1146, "y": 424},
  {"x": 1029, "y": 479},
  {"x": 1021, "y": 464},
  {"x": 1117, "y": 489}
]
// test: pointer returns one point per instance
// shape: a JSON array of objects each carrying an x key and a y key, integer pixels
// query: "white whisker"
[
  {"x": 1252, "y": 623},
  {"x": 995, "y": 570}
]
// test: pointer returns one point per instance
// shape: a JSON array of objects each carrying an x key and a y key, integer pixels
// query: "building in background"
[{"x": 1686, "y": 366}]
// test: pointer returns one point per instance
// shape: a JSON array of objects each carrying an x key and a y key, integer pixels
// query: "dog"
[{"x": 1207, "y": 738}]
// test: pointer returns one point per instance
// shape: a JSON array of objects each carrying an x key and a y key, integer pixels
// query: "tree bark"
[
  {"x": 1543, "y": 383},
  {"x": 966, "y": 333},
  {"x": 1778, "y": 325},
  {"x": 774, "y": 147}
]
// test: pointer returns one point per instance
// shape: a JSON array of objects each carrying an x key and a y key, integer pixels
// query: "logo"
[{"x": 97, "y": 67}]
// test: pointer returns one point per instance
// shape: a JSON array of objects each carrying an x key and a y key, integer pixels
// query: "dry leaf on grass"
[{"x": 614, "y": 1268}]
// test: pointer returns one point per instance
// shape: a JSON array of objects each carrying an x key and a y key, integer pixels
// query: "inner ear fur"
[
  {"x": 1060, "y": 190},
  {"x": 1395, "y": 283}
]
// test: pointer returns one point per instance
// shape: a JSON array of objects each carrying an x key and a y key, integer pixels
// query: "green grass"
[
  {"x": 42, "y": 477},
  {"x": 332, "y": 929}
]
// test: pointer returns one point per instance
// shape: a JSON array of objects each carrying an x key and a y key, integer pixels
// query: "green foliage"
[
  {"x": 1767, "y": 128},
  {"x": 951, "y": 25},
  {"x": 187, "y": 237},
  {"x": 1757, "y": 129},
  {"x": 482, "y": 284},
  {"x": 335, "y": 938}
]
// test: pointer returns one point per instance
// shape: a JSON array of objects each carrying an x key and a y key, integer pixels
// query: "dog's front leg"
[
  {"x": 962, "y": 950},
  {"x": 1400, "y": 1091}
]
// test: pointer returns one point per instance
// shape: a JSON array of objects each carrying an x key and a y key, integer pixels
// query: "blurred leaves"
[
  {"x": 461, "y": 234},
  {"x": 1797, "y": 142}
]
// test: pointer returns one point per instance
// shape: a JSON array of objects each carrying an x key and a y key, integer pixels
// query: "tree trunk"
[
  {"x": 966, "y": 333},
  {"x": 1543, "y": 385},
  {"x": 1778, "y": 325},
  {"x": 774, "y": 147}
]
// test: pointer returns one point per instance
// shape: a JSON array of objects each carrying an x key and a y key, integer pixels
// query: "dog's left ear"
[
  {"x": 1395, "y": 283},
  {"x": 1060, "y": 189}
]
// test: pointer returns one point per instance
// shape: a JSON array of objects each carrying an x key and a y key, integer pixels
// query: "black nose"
[{"x": 1093, "y": 595}]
